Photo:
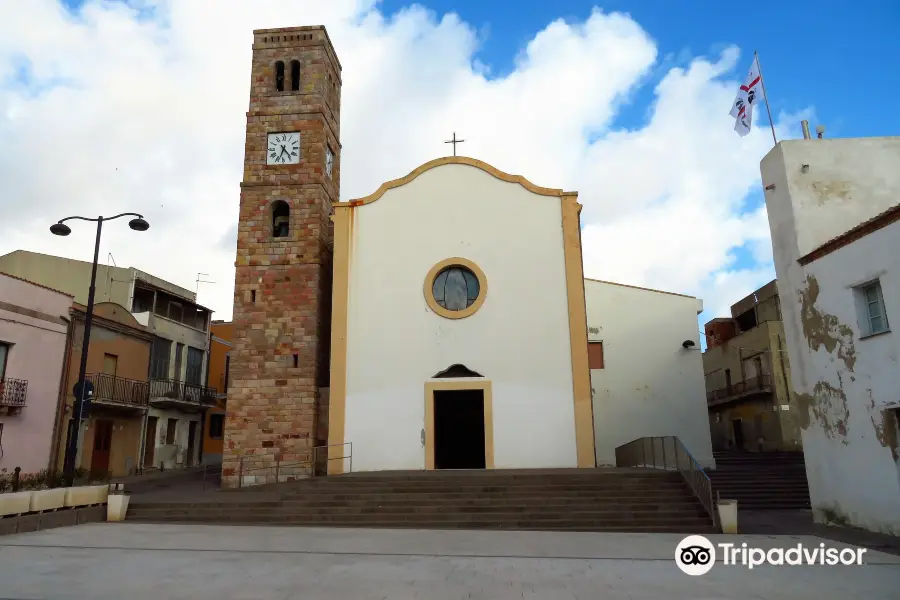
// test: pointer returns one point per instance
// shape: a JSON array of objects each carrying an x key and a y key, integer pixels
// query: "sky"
[{"x": 109, "y": 106}]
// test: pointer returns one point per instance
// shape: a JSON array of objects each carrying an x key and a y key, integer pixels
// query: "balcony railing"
[
  {"x": 13, "y": 392},
  {"x": 169, "y": 389},
  {"x": 760, "y": 383},
  {"x": 118, "y": 390}
]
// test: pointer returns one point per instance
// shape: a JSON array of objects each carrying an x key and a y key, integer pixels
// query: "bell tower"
[{"x": 276, "y": 411}]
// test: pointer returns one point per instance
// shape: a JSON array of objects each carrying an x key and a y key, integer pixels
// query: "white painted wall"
[
  {"x": 844, "y": 383},
  {"x": 650, "y": 385},
  {"x": 519, "y": 339},
  {"x": 167, "y": 454}
]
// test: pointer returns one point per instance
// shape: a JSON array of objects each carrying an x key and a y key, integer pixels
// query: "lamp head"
[
  {"x": 139, "y": 224},
  {"x": 60, "y": 229}
]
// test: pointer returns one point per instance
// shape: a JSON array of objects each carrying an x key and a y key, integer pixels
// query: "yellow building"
[
  {"x": 221, "y": 333},
  {"x": 748, "y": 378},
  {"x": 118, "y": 365}
]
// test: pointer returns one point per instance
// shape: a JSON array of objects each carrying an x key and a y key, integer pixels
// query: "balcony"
[
  {"x": 761, "y": 384},
  {"x": 168, "y": 393},
  {"x": 110, "y": 390},
  {"x": 12, "y": 395}
]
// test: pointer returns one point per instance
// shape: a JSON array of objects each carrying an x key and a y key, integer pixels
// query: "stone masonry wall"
[{"x": 283, "y": 285}]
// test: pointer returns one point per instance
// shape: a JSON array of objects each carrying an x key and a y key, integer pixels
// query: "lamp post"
[{"x": 60, "y": 228}]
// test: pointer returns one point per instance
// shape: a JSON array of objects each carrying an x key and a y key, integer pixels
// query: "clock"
[{"x": 283, "y": 149}]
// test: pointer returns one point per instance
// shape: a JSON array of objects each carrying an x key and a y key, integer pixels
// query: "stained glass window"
[{"x": 455, "y": 288}]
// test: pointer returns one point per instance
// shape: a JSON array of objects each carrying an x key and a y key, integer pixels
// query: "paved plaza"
[{"x": 144, "y": 561}]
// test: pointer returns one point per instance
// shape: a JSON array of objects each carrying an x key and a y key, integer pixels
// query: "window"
[
  {"x": 216, "y": 426},
  {"x": 176, "y": 311},
  {"x": 281, "y": 219},
  {"x": 595, "y": 355},
  {"x": 194, "y": 366},
  {"x": 279, "y": 76},
  {"x": 295, "y": 75},
  {"x": 4, "y": 353},
  {"x": 171, "y": 424},
  {"x": 110, "y": 364},
  {"x": 455, "y": 288},
  {"x": 159, "y": 358},
  {"x": 179, "y": 355},
  {"x": 227, "y": 369},
  {"x": 329, "y": 161},
  {"x": 875, "y": 319}
]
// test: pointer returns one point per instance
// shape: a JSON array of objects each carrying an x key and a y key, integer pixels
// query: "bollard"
[{"x": 15, "y": 481}]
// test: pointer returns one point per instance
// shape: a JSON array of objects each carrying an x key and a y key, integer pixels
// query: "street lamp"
[{"x": 60, "y": 228}]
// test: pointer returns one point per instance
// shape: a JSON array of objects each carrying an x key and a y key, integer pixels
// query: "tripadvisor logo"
[{"x": 696, "y": 555}]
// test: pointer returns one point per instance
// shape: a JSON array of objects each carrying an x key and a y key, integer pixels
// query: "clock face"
[{"x": 283, "y": 149}]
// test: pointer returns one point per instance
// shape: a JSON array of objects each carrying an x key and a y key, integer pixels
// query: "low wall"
[{"x": 53, "y": 519}]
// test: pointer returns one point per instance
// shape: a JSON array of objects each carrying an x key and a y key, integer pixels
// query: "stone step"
[
  {"x": 689, "y": 528},
  {"x": 418, "y": 512},
  {"x": 498, "y": 519},
  {"x": 673, "y": 487},
  {"x": 643, "y": 502},
  {"x": 485, "y": 481}
]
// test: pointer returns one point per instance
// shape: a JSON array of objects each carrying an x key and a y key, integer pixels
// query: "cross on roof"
[{"x": 454, "y": 141}]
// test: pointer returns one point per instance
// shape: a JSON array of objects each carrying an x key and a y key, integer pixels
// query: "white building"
[
  {"x": 834, "y": 207},
  {"x": 460, "y": 336},
  {"x": 645, "y": 379}
]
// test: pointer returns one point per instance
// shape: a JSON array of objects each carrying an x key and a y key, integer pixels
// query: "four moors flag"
[{"x": 747, "y": 96}]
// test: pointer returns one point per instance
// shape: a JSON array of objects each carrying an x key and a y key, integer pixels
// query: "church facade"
[
  {"x": 459, "y": 337},
  {"x": 438, "y": 323}
]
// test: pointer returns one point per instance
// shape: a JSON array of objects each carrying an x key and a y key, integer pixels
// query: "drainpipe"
[{"x": 53, "y": 461}]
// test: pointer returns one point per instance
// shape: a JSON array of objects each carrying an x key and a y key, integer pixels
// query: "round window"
[{"x": 455, "y": 288}]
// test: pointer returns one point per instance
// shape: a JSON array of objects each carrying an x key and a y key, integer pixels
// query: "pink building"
[{"x": 33, "y": 330}]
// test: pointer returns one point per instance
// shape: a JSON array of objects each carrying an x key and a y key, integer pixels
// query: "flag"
[{"x": 748, "y": 94}]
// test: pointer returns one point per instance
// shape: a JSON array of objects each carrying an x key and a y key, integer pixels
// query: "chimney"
[{"x": 805, "y": 125}]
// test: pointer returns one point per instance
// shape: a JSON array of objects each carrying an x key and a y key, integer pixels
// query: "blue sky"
[{"x": 834, "y": 55}]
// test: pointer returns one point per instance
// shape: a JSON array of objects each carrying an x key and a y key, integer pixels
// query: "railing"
[
  {"x": 109, "y": 388},
  {"x": 670, "y": 454},
  {"x": 760, "y": 383},
  {"x": 13, "y": 392},
  {"x": 181, "y": 391},
  {"x": 275, "y": 472}
]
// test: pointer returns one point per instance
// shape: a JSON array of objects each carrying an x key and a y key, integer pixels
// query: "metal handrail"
[
  {"x": 121, "y": 390},
  {"x": 670, "y": 454},
  {"x": 309, "y": 463},
  {"x": 753, "y": 384}
]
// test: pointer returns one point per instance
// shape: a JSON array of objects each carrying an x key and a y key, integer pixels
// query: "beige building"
[
  {"x": 748, "y": 381},
  {"x": 178, "y": 394}
]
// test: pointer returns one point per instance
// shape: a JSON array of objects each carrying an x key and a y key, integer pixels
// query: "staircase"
[
  {"x": 761, "y": 481},
  {"x": 626, "y": 500}
]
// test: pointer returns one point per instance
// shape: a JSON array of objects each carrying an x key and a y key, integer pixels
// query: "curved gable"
[{"x": 457, "y": 160}]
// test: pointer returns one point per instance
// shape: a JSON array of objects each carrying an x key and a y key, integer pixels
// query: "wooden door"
[
  {"x": 150, "y": 442},
  {"x": 103, "y": 431}
]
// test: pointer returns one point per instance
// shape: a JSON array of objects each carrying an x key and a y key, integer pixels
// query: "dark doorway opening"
[
  {"x": 459, "y": 429},
  {"x": 738, "y": 427}
]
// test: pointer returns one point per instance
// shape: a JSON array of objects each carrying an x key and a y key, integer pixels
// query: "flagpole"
[{"x": 762, "y": 80}]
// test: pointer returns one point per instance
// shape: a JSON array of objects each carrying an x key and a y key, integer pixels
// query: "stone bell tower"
[{"x": 276, "y": 410}]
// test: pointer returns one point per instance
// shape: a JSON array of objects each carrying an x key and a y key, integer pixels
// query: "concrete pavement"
[{"x": 143, "y": 561}]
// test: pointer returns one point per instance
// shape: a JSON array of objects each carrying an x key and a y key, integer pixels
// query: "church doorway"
[
  {"x": 459, "y": 423},
  {"x": 459, "y": 429}
]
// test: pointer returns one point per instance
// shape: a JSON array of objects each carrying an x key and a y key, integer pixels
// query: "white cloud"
[{"x": 144, "y": 111}]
